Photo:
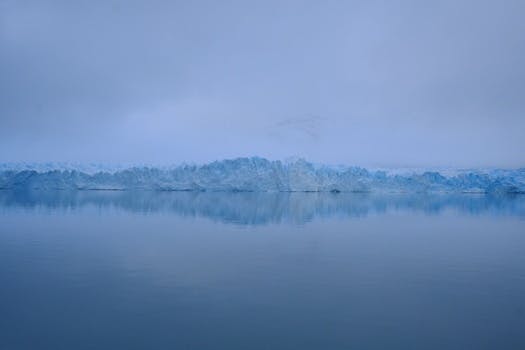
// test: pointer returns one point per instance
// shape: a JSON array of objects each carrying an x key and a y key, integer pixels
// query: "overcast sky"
[{"x": 371, "y": 83}]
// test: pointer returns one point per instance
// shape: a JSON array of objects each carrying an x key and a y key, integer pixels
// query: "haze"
[{"x": 370, "y": 83}]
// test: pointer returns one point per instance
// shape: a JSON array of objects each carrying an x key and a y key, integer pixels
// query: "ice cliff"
[{"x": 257, "y": 175}]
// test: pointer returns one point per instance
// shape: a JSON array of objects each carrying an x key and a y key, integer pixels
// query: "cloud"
[
  {"x": 308, "y": 126},
  {"x": 401, "y": 82}
]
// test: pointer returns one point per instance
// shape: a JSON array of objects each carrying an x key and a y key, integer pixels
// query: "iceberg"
[{"x": 259, "y": 175}]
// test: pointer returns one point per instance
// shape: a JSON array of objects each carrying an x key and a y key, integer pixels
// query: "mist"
[{"x": 369, "y": 83}]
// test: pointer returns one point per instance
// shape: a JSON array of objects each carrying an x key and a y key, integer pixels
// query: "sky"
[{"x": 369, "y": 83}]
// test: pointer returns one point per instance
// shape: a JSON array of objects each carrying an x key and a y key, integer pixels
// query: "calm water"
[{"x": 123, "y": 270}]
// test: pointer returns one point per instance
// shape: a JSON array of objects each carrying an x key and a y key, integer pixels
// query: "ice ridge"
[{"x": 257, "y": 175}]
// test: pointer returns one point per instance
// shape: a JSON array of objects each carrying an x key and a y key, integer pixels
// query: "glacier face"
[{"x": 257, "y": 175}]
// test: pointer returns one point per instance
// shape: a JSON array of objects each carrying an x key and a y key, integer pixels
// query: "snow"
[{"x": 258, "y": 175}]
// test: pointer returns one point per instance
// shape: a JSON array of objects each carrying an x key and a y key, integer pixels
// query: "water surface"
[{"x": 140, "y": 270}]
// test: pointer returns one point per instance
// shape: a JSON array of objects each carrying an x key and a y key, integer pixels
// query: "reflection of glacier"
[
  {"x": 259, "y": 175},
  {"x": 260, "y": 208}
]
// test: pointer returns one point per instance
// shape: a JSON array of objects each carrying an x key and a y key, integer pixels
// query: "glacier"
[{"x": 257, "y": 174}]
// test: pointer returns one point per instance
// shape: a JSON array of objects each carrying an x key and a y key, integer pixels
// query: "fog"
[{"x": 370, "y": 83}]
